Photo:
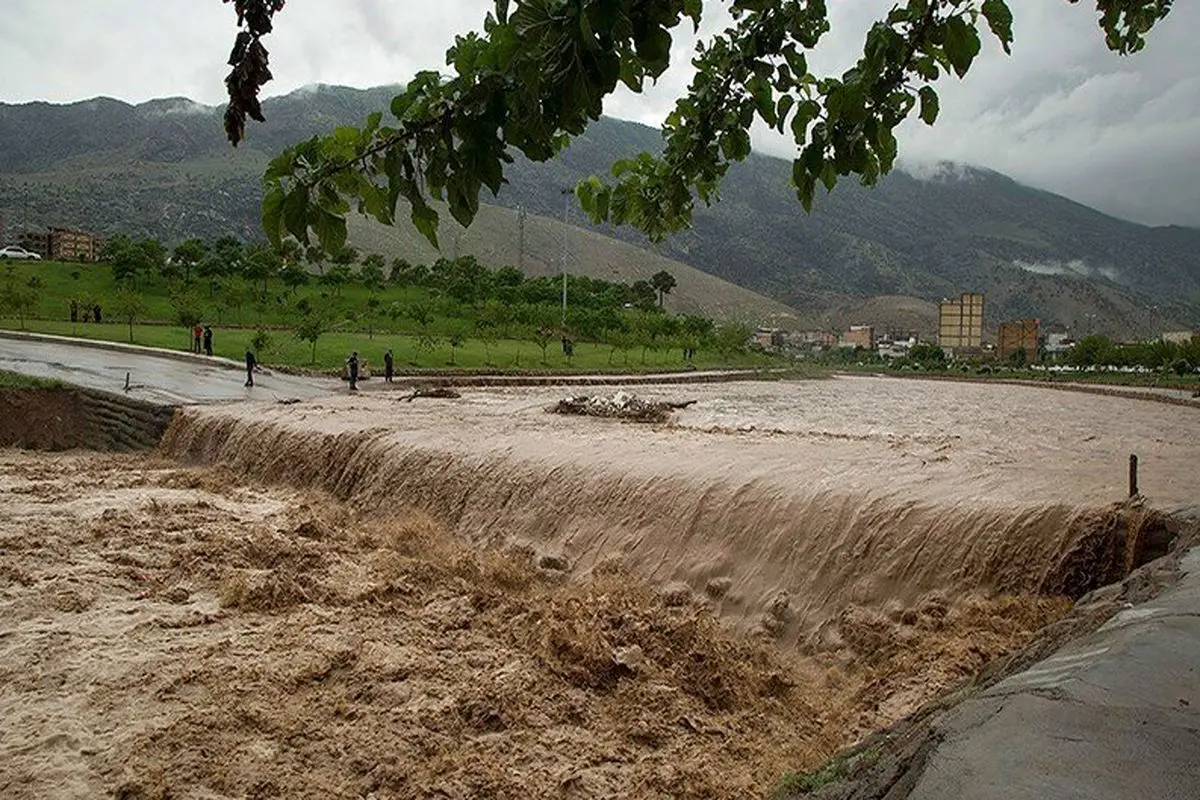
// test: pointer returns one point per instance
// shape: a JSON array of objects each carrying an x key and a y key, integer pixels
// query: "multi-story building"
[
  {"x": 62, "y": 244},
  {"x": 36, "y": 242},
  {"x": 859, "y": 336},
  {"x": 960, "y": 322},
  {"x": 1020, "y": 335},
  {"x": 814, "y": 339},
  {"x": 67, "y": 244}
]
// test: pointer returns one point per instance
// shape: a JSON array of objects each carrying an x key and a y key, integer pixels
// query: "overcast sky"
[{"x": 1064, "y": 114}]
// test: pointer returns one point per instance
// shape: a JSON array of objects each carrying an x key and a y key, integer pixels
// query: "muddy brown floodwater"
[{"x": 466, "y": 598}]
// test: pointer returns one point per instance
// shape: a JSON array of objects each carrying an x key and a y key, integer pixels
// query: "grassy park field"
[{"x": 423, "y": 329}]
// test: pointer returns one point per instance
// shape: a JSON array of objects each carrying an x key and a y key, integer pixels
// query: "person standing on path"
[
  {"x": 352, "y": 370},
  {"x": 197, "y": 332},
  {"x": 388, "y": 366},
  {"x": 207, "y": 341},
  {"x": 251, "y": 363}
]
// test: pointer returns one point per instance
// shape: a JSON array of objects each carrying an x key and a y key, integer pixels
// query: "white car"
[{"x": 18, "y": 254}]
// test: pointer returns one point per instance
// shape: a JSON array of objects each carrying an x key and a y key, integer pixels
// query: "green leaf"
[
  {"x": 330, "y": 229},
  {"x": 785, "y": 108},
  {"x": 1000, "y": 20},
  {"x": 426, "y": 221},
  {"x": 829, "y": 176},
  {"x": 806, "y": 112},
  {"x": 272, "y": 213},
  {"x": 929, "y": 105},
  {"x": 295, "y": 213},
  {"x": 962, "y": 44},
  {"x": 805, "y": 189}
]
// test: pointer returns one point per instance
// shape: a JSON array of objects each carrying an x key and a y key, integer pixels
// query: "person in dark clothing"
[
  {"x": 96, "y": 313},
  {"x": 207, "y": 341},
  {"x": 388, "y": 366},
  {"x": 352, "y": 370},
  {"x": 251, "y": 363},
  {"x": 74, "y": 311}
]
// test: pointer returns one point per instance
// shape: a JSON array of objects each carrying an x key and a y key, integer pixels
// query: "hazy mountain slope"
[
  {"x": 494, "y": 238},
  {"x": 164, "y": 168}
]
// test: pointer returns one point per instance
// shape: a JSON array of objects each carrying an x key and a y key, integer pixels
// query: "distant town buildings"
[
  {"x": 1018, "y": 336},
  {"x": 1179, "y": 337},
  {"x": 813, "y": 340},
  {"x": 858, "y": 336},
  {"x": 769, "y": 338},
  {"x": 62, "y": 244},
  {"x": 1058, "y": 340},
  {"x": 960, "y": 322}
]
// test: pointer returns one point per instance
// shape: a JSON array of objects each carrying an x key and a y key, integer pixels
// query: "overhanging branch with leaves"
[{"x": 540, "y": 71}]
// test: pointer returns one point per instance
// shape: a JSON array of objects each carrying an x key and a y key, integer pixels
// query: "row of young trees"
[
  {"x": 456, "y": 300},
  {"x": 1160, "y": 356}
]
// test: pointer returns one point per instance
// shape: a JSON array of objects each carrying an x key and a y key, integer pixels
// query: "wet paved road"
[{"x": 176, "y": 379}]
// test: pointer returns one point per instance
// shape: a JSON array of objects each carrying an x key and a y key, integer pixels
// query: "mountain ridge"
[{"x": 162, "y": 166}]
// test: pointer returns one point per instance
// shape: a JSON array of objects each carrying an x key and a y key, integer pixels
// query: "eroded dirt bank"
[
  {"x": 782, "y": 504},
  {"x": 174, "y": 632},
  {"x": 68, "y": 417}
]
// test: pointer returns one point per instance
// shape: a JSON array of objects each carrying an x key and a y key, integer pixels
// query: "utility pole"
[
  {"x": 521, "y": 239},
  {"x": 566, "y": 222}
]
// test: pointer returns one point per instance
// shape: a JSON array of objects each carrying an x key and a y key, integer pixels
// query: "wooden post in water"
[{"x": 1133, "y": 478}]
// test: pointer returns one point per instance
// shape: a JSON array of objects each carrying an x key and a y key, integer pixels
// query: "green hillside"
[{"x": 163, "y": 168}]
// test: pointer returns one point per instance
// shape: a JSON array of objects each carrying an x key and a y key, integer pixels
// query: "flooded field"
[{"x": 470, "y": 597}]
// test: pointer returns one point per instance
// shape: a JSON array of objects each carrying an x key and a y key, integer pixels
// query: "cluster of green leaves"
[
  {"x": 533, "y": 78},
  {"x": 541, "y": 68}
]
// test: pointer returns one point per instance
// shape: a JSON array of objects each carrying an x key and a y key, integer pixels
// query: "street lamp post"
[{"x": 566, "y": 222}]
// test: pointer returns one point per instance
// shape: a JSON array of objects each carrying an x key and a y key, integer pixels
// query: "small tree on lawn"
[
  {"x": 371, "y": 273},
  {"x": 188, "y": 254},
  {"x": 424, "y": 318},
  {"x": 542, "y": 337},
  {"x": 293, "y": 276},
  {"x": 186, "y": 307},
  {"x": 130, "y": 305},
  {"x": 20, "y": 298},
  {"x": 371, "y": 313},
  {"x": 337, "y": 277},
  {"x": 486, "y": 333},
  {"x": 309, "y": 329},
  {"x": 620, "y": 340},
  {"x": 456, "y": 339},
  {"x": 234, "y": 293}
]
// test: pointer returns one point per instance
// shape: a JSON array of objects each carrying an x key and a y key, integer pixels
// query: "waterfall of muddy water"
[{"x": 781, "y": 503}]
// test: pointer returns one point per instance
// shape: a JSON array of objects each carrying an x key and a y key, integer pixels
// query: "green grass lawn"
[
  {"x": 234, "y": 329},
  {"x": 284, "y": 349},
  {"x": 13, "y": 380}
]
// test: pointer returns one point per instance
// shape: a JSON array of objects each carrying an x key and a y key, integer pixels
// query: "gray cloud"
[{"x": 1062, "y": 113}]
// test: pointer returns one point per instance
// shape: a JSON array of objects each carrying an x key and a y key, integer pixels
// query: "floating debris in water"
[{"x": 621, "y": 405}]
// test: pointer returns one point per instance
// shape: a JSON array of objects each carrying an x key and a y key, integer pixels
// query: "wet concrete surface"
[
  {"x": 1114, "y": 715},
  {"x": 171, "y": 379}
]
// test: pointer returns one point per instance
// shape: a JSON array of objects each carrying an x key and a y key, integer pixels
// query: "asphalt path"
[{"x": 171, "y": 379}]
